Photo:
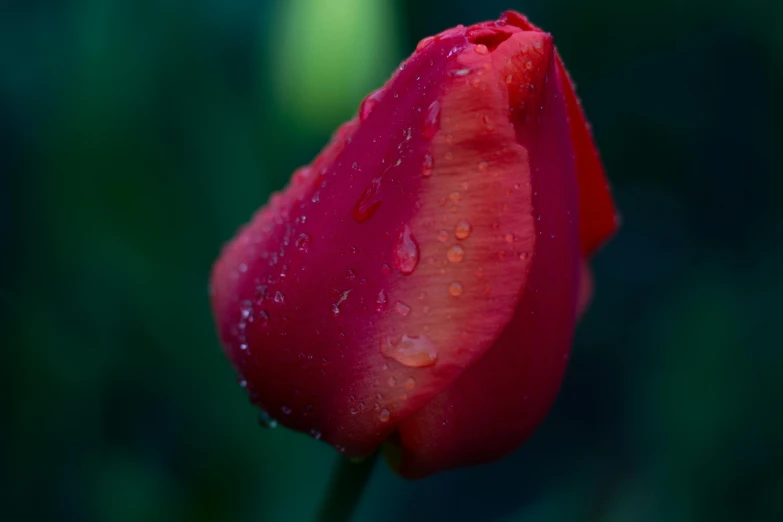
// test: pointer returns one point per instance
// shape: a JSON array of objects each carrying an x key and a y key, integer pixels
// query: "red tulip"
[{"x": 416, "y": 287}]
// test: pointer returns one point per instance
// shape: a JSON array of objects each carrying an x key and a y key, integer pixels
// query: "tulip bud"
[{"x": 417, "y": 285}]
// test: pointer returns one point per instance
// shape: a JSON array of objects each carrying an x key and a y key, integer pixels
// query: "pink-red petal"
[{"x": 496, "y": 403}]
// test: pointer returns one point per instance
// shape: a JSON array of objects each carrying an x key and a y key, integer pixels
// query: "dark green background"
[{"x": 136, "y": 135}]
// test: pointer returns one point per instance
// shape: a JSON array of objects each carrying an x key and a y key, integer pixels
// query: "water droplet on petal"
[
  {"x": 443, "y": 236},
  {"x": 315, "y": 434},
  {"x": 455, "y": 254},
  {"x": 455, "y": 197},
  {"x": 481, "y": 49},
  {"x": 392, "y": 382},
  {"x": 369, "y": 103},
  {"x": 427, "y": 166},
  {"x": 411, "y": 351},
  {"x": 431, "y": 123},
  {"x": 410, "y": 383},
  {"x": 509, "y": 238},
  {"x": 303, "y": 242},
  {"x": 406, "y": 252},
  {"x": 402, "y": 308},
  {"x": 279, "y": 297},
  {"x": 381, "y": 301},
  {"x": 456, "y": 289},
  {"x": 350, "y": 275},
  {"x": 245, "y": 309},
  {"x": 368, "y": 202},
  {"x": 462, "y": 230},
  {"x": 286, "y": 410},
  {"x": 384, "y": 415}
]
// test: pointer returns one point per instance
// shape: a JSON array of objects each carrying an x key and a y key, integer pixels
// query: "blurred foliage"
[{"x": 137, "y": 135}]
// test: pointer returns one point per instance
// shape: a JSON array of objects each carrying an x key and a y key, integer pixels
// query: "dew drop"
[
  {"x": 386, "y": 269},
  {"x": 482, "y": 166},
  {"x": 456, "y": 289},
  {"x": 431, "y": 123},
  {"x": 245, "y": 309},
  {"x": 523, "y": 256},
  {"x": 406, "y": 252},
  {"x": 381, "y": 301},
  {"x": 303, "y": 242},
  {"x": 455, "y": 197},
  {"x": 410, "y": 383},
  {"x": 392, "y": 382},
  {"x": 353, "y": 411},
  {"x": 509, "y": 238},
  {"x": 279, "y": 297},
  {"x": 369, "y": 103},
  {"x": 481, "y": 49},
  {"x": 443, "y": 236},
  {"x": 509, "y": 79},
  {"x": 384, "y": 415},
  {"x": 286, "y": 410},
  {"x": 528, "y": 65},
  {"x": 315, "y": 434},
  {"x": 350, "y": 275},
  {"x": 368, "y": 203},
  {"x": 411, "y": 351},
  {"x": 427, "y": 166},
  {"x": 462, "y": 229},
  {"x": 402, "y": 308},
  {"x": 243, "y": 346},
  {"x": 455, "y": 254}
]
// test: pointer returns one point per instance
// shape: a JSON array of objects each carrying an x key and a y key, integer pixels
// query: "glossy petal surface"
[{"x": 497, "y": 402}]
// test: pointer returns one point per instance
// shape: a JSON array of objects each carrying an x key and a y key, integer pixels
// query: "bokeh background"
[{"x": 137, "y": 135}]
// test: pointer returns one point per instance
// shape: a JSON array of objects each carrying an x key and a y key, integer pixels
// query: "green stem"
[{"x": 345, "y": 489}]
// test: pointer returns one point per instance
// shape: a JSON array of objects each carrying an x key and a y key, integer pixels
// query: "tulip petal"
[
  {"x": 495, "y": 404},
  {"x": 597, "y": 214},
  {"x": 598, "y": 218}
]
